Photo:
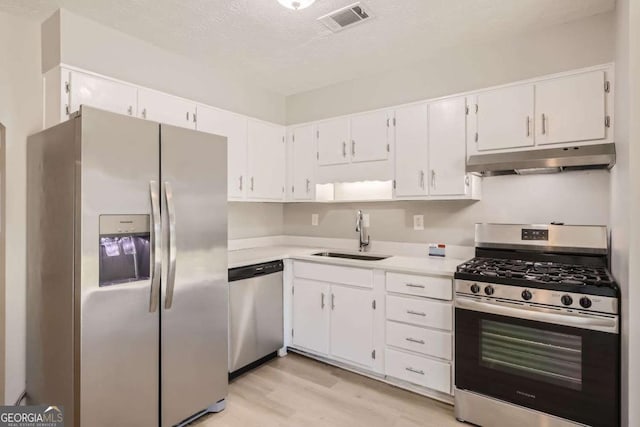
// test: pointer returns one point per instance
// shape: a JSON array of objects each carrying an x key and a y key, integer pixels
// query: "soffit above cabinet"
[{"x": 291, "y": 52}]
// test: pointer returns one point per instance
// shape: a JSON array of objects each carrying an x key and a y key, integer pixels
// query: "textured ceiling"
[{"x": 289, "y": 51}]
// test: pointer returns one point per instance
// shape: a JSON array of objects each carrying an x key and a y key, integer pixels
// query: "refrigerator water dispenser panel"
[{"x": 125, "y": 244}]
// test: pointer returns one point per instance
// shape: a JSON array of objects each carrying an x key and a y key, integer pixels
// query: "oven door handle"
[{"x": 592, "y": 322}]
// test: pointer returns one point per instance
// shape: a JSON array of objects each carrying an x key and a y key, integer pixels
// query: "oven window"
[{"x": 534, "y": 353}]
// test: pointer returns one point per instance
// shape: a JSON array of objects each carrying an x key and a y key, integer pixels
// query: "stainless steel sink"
[{"x": 351, "y": 256}]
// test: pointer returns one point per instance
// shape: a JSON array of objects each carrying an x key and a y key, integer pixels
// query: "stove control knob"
[
  {"x": 566, "y": 300},
  {"x": 585, "y": 302},
  {"x": 475, "y": 288},
  {"x": 489, "y": 290},
  {"x": 526, "y": 295}
]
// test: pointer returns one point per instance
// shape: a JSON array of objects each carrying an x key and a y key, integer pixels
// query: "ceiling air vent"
[{"x": 346, "y": 17}]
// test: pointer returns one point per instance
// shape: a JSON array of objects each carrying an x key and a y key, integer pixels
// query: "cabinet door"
[
  {"x": 370, "y": 137},
  {"x": 311, "y": 315},
  {"x": 505, "y": 118},
  {"x": 571, "y": 109},
  {"x": 101, "y": 93},
  {"x": 266, "y": 165},
  {"x": 352, "y": 324},
  {"x": 333, "y": 144},
  {"x": 234, "y": 127},
  {"x": 303, "y": 162},
  {"x": 411, "y": 151},
  {"x": 447, "y": 147},
  {"x": 163, "y": 108}
]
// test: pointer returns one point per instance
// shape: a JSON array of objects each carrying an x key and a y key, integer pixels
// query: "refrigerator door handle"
[
  {"x": 156, "y": 246},
  {"x": 171, "y": 274}
]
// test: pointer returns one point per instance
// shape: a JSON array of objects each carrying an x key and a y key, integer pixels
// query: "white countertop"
[{"x": 402, "y": 263}]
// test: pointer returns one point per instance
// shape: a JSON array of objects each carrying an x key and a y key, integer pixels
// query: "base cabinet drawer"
[
  {"x": 420, "y": 340},
  {"x": 418, "y": 370},
  {"x": 421, "y": 312},
  {"x": 422, "y": 286}
]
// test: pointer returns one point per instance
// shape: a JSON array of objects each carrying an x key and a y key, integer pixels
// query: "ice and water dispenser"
[{"x": 125, "y": 244}]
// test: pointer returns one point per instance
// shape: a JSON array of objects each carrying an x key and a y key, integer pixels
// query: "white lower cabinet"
[
  {"x": 421, "y": 340},
  {"x": 419, "y": 330},
  {"x": 333, "y": 312},
  {"x": 311, "y": 315},
  {"x": 352, "y": 325},
  {"x": 418, "y": 370},
  {"x": 341, "y": 314}
]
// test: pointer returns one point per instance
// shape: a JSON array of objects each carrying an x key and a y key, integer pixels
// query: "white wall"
[
  {"x": 83, "y": 43},
  {"x": 255, "y": 220},
  {"x": 21, "y": 113},
  {"x": 550, "y": 50},
  {"x": 625, "y": 200},
  {"x": 572, "y": 197}
]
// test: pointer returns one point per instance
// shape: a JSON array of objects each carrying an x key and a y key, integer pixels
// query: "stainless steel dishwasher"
[{"x": 255, "y": 315}]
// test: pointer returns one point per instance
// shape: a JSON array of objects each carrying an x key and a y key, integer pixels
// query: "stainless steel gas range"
[{"x": 537, "y": 328}]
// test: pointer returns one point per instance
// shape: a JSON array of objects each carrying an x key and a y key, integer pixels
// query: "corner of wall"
[{"x": 50, "y": 39}]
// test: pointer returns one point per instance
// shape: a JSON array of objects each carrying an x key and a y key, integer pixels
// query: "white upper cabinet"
[
  {"x": 163, "y": 108},
  {"x": 234, "y": 127},
  {"x": 303, "y": 153},
  {"x": 571, "y": 108},
  {"x": 266, "y": 164},
  {"x": 85, "y": 89},
  {"x": 370, "y": 137},
  {"x": 447, "y": 147},
  {"x": 411, "y": 145},
  {"x": 352, "y": 324},
  {"x": 504, "y": 118},
  {"x": 333, "y": 141}
]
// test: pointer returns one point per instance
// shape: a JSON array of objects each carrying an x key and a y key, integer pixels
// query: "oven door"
[{"x": 566, "y": 365}]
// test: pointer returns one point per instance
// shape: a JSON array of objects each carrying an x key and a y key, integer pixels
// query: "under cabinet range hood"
[{"x": 550, "y": 160}]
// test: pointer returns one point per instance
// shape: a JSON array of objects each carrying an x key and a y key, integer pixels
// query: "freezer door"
[
  {"x": 118, "y": 316},
  {"x": 194, "y": 302}
]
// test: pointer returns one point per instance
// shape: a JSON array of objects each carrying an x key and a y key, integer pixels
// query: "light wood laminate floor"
[{"x": 295, "y": 391}]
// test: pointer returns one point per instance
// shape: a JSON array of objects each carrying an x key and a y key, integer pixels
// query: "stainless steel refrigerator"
[{"x": 127, "y": 271}]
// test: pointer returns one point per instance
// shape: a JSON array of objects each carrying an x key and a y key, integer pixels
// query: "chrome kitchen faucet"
[{"x": 364, "y": 240}]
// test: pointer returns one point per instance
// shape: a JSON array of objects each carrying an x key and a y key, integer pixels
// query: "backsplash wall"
[
  {"x": 571, "y": 197},
  {"x": 254, "y": 220}
]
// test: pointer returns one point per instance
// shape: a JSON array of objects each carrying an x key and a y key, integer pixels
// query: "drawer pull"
[
  {"x": 415, "y": 371},
  {"x": 415, "y": 340},
  {"x": 413, "y": 285},
  {"x": 416, "y": 313}
]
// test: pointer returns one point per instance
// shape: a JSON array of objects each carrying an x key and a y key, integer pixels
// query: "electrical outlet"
[
  {"x": 365, "y": 220},
  {"x": 314, "y": 219},
  {"x": 418, "y": 222}
]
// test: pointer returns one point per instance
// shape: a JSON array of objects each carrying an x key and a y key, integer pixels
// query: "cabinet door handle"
[
  {"x": 322, "y": 301},
  {"x": 528, "y": 126},
  {"x": 415, "y": 340},
  {"x": 414, "y": 285},
  {"x": 187, "y": 116},
  {"x": 466, "y": 180},
  {"x": 415, "y": 371},
  {"x": 353, "y": 148},
  {"x": 240, "y": 186},
  {"x": 344, "y": 149},
  {"x": 333, "y": 301},
  {"x": 308, "y": 185},
  {"x": 251, "y": 183},
  {"x": 144, "y": 113},
  {"x": 433, "y": 178},
  {"x": 422, "y": 179},
  {"x": 544, "y": 124},
  {"x": 130, "y": 110},
  {"x": 416, "y": 313}
]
